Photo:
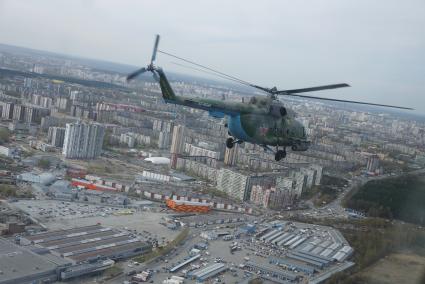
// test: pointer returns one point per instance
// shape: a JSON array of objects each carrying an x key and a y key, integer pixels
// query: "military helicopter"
[{"x": 264, "y": 120}]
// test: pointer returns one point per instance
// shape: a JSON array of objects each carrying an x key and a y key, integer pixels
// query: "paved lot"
[{"x": 64, "y": 215}]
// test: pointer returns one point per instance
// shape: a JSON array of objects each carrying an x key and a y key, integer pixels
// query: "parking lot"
[{"x": 63, "y": 215}]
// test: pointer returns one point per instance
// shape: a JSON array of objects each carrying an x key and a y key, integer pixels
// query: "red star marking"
[{"x": 264, "y": 131}]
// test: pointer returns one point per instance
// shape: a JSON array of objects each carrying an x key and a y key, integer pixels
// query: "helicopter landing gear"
[
  {"x": 280, "y": 154},
  {"x": 230, "y": 142}
]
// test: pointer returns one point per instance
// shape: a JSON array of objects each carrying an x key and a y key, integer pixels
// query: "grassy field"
[
  {"x": 8, "y": 191},
  {"x": 403, "y": 267}
]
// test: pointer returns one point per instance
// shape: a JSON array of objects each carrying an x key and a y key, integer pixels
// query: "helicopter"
[{"x": 263, "y": 120}]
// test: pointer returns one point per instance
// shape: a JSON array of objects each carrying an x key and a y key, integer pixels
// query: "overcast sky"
[{"x": 377, "y": 46}]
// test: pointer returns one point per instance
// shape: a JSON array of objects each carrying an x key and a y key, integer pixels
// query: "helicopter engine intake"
[
  {"x": 300, "y": 147},
  {"x": 278, "y": 111}
]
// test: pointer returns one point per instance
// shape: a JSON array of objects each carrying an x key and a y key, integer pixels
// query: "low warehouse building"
[
  {"x": 188, "y": 206},
  {"x": 21, "y": 265},
  {"x": 85, "y": 243}
]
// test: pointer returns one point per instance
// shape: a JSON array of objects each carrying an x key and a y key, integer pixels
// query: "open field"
[
  {"x": 110, "y": 168},
  {"x": 406, "y": 268}
]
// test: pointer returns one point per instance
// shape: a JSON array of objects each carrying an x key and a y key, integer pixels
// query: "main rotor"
[{"x": 273, "y": 93}]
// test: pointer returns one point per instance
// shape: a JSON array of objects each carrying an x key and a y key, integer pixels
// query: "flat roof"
[
  {"x": 186, "y": 262},
  {"x": 212, "y": 273},
  {"x": 81, "y": 243},
  {"x": 17, "y": 262},
  {"x": 91, "y": 244},
  {"x": 46, "y": 235},
  {"x": 107, "y": 251},
  {"x": 272, "y": 270},
  {"x": 66, "y": 241},
  {"x": 286, "y": 261}
]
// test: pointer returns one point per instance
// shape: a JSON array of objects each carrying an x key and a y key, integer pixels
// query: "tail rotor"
[{"x": 150, "y": 67}]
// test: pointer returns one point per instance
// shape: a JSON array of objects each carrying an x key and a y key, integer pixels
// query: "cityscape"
[{"x": 103, "y": 181}]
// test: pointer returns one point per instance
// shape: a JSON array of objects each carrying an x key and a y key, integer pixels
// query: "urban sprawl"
[{"x": 109, "y": 181}]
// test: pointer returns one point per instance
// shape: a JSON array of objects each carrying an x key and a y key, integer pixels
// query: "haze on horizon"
[{"x": 375, "y": 46}]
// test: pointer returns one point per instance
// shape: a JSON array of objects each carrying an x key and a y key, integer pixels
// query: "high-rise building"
[
  {"x": 177, "y": 144},
  {"x": 233, "y": 183},
  {"x": 372, "y": 164},
  {"x": 36, "y": 99},
  {"x": 83, "y": 141},
  {"x": 128, "y": 139},
  {"x": 62, "y": 103},
  {"x": 164, "y": 140},
  {"x": 56, "y": 136},
  {"x": 19, "y": 113},
  {"x": 7, "y": 111},
  {"x": 230, "y": 155},
  {"x": 200, "y": 151},
  {"x": 34, "y": 114}
]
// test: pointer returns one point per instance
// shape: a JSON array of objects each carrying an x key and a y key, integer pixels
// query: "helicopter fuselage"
[
  {"x": 263, "y": 129},
  {"x": 262, "y": 121}
]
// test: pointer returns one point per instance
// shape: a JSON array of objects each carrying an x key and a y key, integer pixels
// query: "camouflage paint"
[{"x": 251, "y": 122}]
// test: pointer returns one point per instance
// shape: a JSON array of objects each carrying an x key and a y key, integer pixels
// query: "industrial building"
[
  {"x": 29, "y": 265},
  {"x": 210, "y": 271},
  {"x": 83, "y": 141},
  {"x": 184, "y": 263},
  {"x": 270, "y": 271},
  {"x": 293, "y": 265},
  {"x": 86, "y": 243},
  {"x": 43, "y": 178},
  {"x": 196, "y": 221},
  {"x": 188, "y": 206},
  {"x": 91, "y": 185},
  {"x": 21, "y": 265}
]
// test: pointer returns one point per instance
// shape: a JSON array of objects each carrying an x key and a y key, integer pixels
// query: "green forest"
[{"x": 400, "y": 198}]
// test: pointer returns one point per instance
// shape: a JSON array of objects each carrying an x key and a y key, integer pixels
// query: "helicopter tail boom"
[{"x": 166, "y": 90}]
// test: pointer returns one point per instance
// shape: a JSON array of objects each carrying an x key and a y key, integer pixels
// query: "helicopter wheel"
[
  {"x": 280, "y": 154},
  {"x": 230, "y": 142}
]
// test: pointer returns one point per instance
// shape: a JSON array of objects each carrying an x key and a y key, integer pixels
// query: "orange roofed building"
[{"x": 188, "y": 206}]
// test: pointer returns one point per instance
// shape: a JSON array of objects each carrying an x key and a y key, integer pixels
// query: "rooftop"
[
  {"x": 18, "y": 262},
  {"x": 158, "y": 160}
]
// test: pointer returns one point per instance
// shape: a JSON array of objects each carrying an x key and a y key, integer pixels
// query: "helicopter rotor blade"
[
  {"x": 155, "y": 48},
  {"x": 344, "y": 101},
  {"x": 293, "y": 92},
  {"x": 136, "y": 73},
  {"x": 217, "y": 73},
  {"x": 312, "y": 89}
]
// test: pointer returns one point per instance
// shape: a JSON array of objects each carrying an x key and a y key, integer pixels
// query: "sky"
[{"x": 376, "y": 46}]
